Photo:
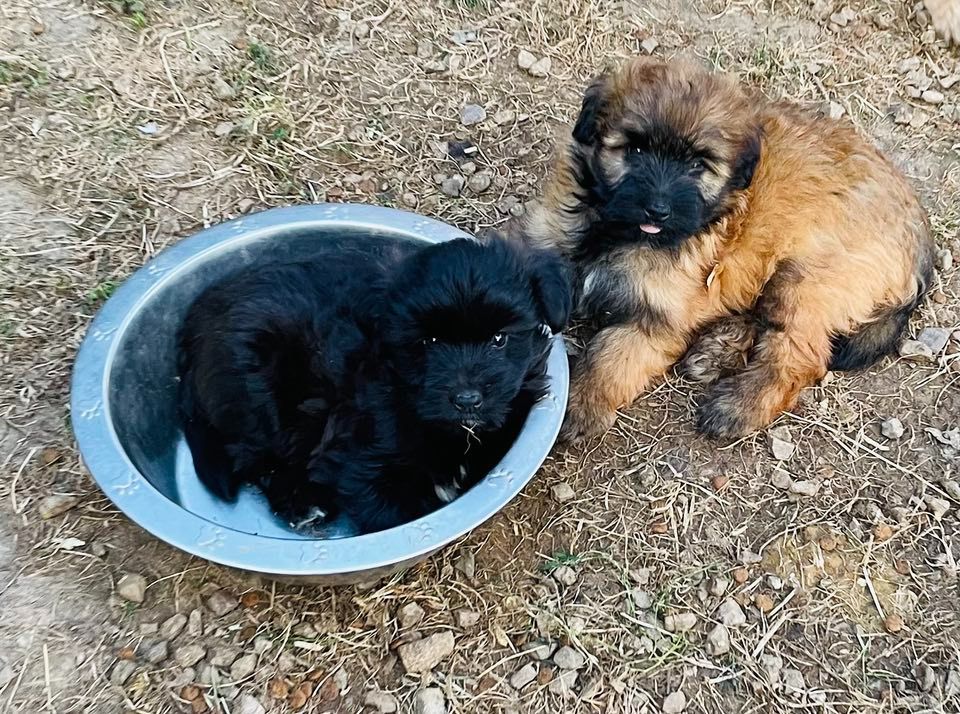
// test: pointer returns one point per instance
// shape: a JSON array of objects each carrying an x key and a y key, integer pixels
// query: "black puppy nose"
[
  {"x": 467, "y": 399},
  {"x": 658, "y": 211}
]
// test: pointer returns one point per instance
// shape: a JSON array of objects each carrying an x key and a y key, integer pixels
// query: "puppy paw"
[
  {"x": 721, "y": 348},
  {"x": 723, "y": 414},
  {"x": 700, "y": 367},
  {"x": 587, "y": 416}
]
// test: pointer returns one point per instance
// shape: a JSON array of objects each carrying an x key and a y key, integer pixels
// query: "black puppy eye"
[
  {"x": 499, "y": 340},
  {"x": 697, "y": 165},
  {"x": 428, "y": 341}
]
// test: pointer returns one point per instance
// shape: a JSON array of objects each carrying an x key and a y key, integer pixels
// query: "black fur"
[{"x": 332, "y": 384}]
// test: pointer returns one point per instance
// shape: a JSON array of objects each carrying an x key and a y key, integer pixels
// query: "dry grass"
[{"x": 125, "y": 126}]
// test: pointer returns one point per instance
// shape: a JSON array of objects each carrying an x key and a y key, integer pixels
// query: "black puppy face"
[
  {"x": 468, "y": 327},
  {"x": 663, "y": 149}
]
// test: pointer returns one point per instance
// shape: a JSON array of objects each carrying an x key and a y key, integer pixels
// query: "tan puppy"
[{"x": 770, "y": 242}]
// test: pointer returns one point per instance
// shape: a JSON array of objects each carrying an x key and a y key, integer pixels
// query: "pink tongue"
[{"x": 650, "y": 229}]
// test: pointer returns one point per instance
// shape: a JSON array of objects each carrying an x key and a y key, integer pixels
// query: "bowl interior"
[{"x": 142, "y": 381}]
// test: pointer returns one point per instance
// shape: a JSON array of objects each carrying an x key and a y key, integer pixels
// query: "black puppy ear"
[
  {"x": 551, "y": 279},
  {"x": 746, "y": 162},
  {"x": 590, "y": 122}
]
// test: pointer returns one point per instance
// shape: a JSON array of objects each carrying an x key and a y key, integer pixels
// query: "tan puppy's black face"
[{"x": 662, "y": 150}]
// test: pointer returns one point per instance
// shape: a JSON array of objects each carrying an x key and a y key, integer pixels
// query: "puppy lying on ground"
[
  {"x": 378, "y": 386},
  {"x": 688, "y": 203}
]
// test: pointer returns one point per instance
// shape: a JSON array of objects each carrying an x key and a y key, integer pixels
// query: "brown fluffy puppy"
[{"x": 765, "y": 241}]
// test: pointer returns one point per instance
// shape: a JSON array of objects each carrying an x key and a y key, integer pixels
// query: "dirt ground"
[{"x": 126, "y": 125}]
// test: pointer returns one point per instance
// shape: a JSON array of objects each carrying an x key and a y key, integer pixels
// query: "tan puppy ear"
[{"x": 746, "y": 161}]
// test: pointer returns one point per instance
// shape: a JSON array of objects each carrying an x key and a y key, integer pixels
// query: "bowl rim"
[{"x": 131, "y": 492}]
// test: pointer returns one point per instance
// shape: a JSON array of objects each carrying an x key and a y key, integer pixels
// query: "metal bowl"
[{"x": 124, "y": 414}]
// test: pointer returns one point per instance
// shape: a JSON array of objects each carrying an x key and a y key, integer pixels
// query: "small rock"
[
  {"x": 805, "y": 488},
  {"x": 525, "y": 59},
  {"x": 155, "y": 652},
  {"x": 504, "y": 116},
  {"x": 409, "y": 200},
  {"x": 466, "y": 619},
  {"x": 719, "y": 482},
  {"x": 382, "y": 702},
  {"x": 740, "y": 575},
  {"x": 361, "y": 30},
  {"x": 53, "y": 506},
  {"x": 173, "y": 626},
  {"x": 562, "y": 492},
  {"x": 479, "y": 182},
  {"x": 300, "y": 696},
  {"x": 562, "y": 685},
  {"x": 948, "y": 81},
  {"x": 468, "y": 168},
  {"x": 541, "y": 68},
  {"x": 539, "y": 649},
  {"x": 467, "y": 564},
  {"x": 944, "y": 260},
  {"x": 782, "y": 450},
  {"x": 882, "y": 532},
  {"x": 681, "y": 622},
  {"x": 835, "y": 110},
  {"x": 952, "y": 489},
  {"x": 916, "y": 351},
  {"x": 222, "y": 89},
  {"x": 938, "y": 507},
  {"x": 523, "y": 676},
  {"x": 775, "y": 582},
  {"x": 565, "y": 575},
  {"x": 224, "y": 655},
  {"x": 649, "y": 45},
  {"x": 781, "y": 479},
  {"x": 132, "y": 588},
  {"x": 772, "y": 666},
  {"x": 452, "y": 186},
  {"x": 925, "y": 676},
  {"x": 932, "y": 96},
  {"x": 463, "y": 37},
  {"x": 893, "y": 623},
  {"x": 569, "y": 658},
  {"x": 718, "y": 585},
  {"x": 507, "y": 203},
  {"x": 935, "y": 338},
  {"x": 763, "y": 602},
  {"x": 911, "y": 64},
  {"x": 195, "y": 623},
  {"x": 718, "y": 641},
  {"x": 122, "y": 671},
  {"x": 902, "y": 115},
  {"x": 150, "y": 128},
  {"x": 892, "y": 428},
  {"x": 247, "y": 704},
  {"x": 189, "y": 655},
  {"x": 813, "y": 67},
  {"x": 429, "y": 701},
  {"x": 731, "y": 614},
  {"x": 425, "y": 49},
  {"x": 640, "y": 599},
  {"x": 472, "y": 114},
  {"x": 793, "y": 682},
  {"x": 421, "y": 656},
  {"x": 243, "y": 667},
  {"x": 674, "y": 703},
  {"x": 221, "y": 602},
  {"x": 410, "y": 615},
  {"x": 224, "y": 128}
]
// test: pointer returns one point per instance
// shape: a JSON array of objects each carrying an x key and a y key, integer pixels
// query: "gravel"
[
  {"x": 915, "y": 350},
  {"x": 221, "y": 602},
  {"x": 56, "y": 505},
  {"x": 410, "y": 615},
  {"x": 381, "y": 702},
  {"x": 122, "y": 671},
  {"x": 569, "y": 658},
  {"x": 718, "y": 640},
  {"x": 195, "y": 623},
  {"x": 452, "y": 186},
  {"x": 565, "y": 575},
  {"x": 154, "y": 652},
  {"x": 563, "y": 684},
  {"x": 674, "y": 703},
  {"x": 429, "y": 701},
  {"x": 562, "y": 492},
  {"x": 892, "y": 428},
  {"x": 423, "y": 655},
  {"x": 173, "y": 626},
  {"x": 540, "y": 649},
  {"x": 248, "y": 704},
  {"x": 132, "y": 588},
  {"x": 472, "y": 114},
  {"x": 467, "y": 564},
  {"x": 479, "y": 182},
  {"x": 731, "y": 614},
  {"x": 523, "y": 676},
  {"x": 935, "y": 338},
  {"x": 189, "y": 655},
  {"x": 681, "y": 622},
  {"x": 243, "y": 667}
]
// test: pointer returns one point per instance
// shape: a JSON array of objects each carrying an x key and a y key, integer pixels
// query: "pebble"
[
  {"x": 893, "y": 623},
  {"x": 944, "y": 260},
  {"x": 429, "y": 701},
  {"x": 541, "y": 68},
  {"x": 782, "y": 450},
  {"x": 523, "y": 676},
  {"x": 525, "y": 59},
  {"x": 719, "y": 482},
  {"x": 892, "y": 428},
  {"x": 466, "y": 619},
  {"x": 132, "y": 587},
  {"x": 410, "y": 615},
  {"x": 222, "y": 89},
  {"x": 781, "y": 479},
  {"x": 243, "y": 667},
  {"x": 952, "y": 489},
  {"x": 674, "y": 703},
  {"x": 763, "y": 602},
  {"x": 479, "y": 182},
  {"x": 504, "y": 116},
  {"x": 718, "y": 641},
  {"x": 641, "y": 599},
  {"x": 467, "y": 564},
  {"x": 507, "y": 204},
  {"x": 195, "y": 623},
  {"x": 122, "y": 671},
  {"x": 53, "y": 506},
  {"x": 155, "y": 652},
  {"x": 247, "y": 704},
  {"x": 915, "y": 350},
  {"x": 793, "y": 682},
  {"x": 565, "y": 575},
  {"x": 925, "y": 676},
  {"x": 681, "y": 622},
  {"x": 224, "y": 128},
  {"x": 731, "y": 614},
  {"x": 649, "y": 45},
  {"x": 224, "y": 655},
  {"x": 938, "y": 507},
  {"x": 468, "y": 168},
  {"x": 718, "y": 585},
  {"x": 540, "y": 649},
  {"x": 562, "y": 685},
  {"x": 775, "y": 582},
  {"x": 562, "y": 492},
  {"x": 189, "y": 655},
  {"x": 935, "y": 338},
  {"x": 472, "y": 114},
  {"x": 740, "y": 575},
  {"x": 221, "y": 602},
  {"x": 409, "y": 200},
  {"x": 911, "y": 64},
  {"x": 569, "y": 658},
  {"x": 173, "y": 626},
  {"x": 835, "y": 110},
  {"x": 382, "y": 702},
  {"x": 932, "y": 96},
  {"x": 902, "y": 115},
  {"x": 805, "y": 488},
  {"x": 423, "y": 655},
  {"x": 452, "y": 186},
  {"x": 772, "y": 666}
]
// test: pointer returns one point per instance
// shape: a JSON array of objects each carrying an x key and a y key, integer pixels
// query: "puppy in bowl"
[
  {"x": 368, "y": 387},
  {"x": 763, "y": 240}
]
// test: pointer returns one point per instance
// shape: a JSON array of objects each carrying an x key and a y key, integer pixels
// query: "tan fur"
[
  {"x": 841, "y": 222},
  {"x": 945, "y": 15}
]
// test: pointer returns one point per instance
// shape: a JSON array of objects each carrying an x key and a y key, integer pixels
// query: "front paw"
[
  {"x": 588, "y": 415},
  {"x": 724, "y": 414}
]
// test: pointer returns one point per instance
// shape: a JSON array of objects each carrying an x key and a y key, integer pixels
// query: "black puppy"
[{"x": 372, "y": 385}]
